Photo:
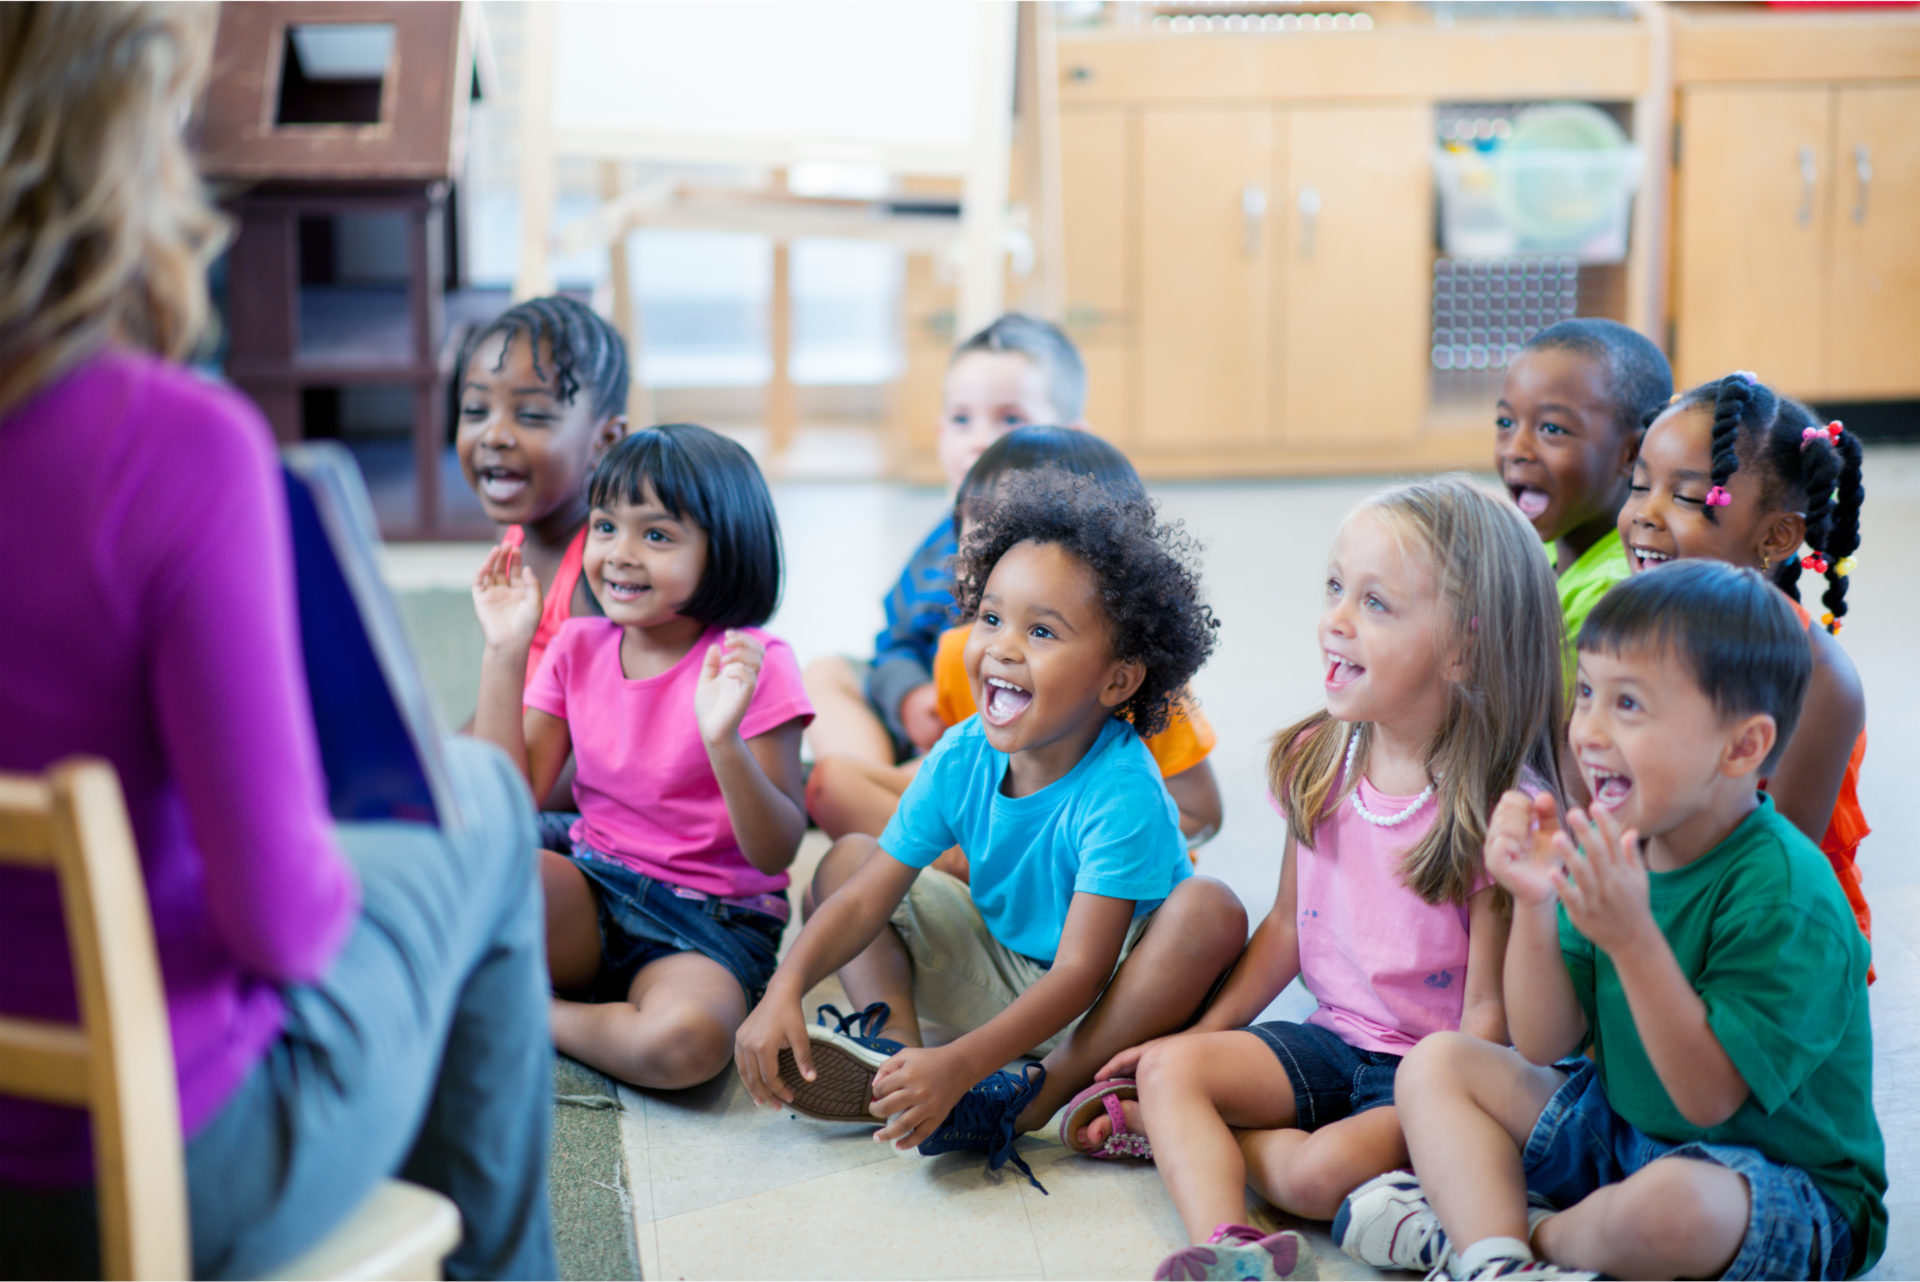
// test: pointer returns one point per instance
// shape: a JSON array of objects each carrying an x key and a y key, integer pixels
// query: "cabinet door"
[
  {"x": 1206, "y": 258},
  {"x": 1754, "y": 197},
  {"x": 1351, "y": 363},
  {"x": 1873, "y": 307},
  {"x": 1097, "y": 211}
]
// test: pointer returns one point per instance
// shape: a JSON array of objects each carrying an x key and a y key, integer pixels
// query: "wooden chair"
[{"x": 117, "y": 1062}]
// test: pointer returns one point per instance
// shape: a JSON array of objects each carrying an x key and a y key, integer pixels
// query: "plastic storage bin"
[{"x": 1514, "y": 202}]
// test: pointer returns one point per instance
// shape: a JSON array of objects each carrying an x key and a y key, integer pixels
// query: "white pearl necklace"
[{"x": 1360, "y": 807}]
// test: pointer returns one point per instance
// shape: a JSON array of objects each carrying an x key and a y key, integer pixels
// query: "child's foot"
[
  {"x": 845, "y": 1058},
  {"x": 984, "y": 1119},
  {"x": 1388, "y": 1223},
  {"x": 1237, "y": 1251},
  {"x": 1104, "y": 1121}
]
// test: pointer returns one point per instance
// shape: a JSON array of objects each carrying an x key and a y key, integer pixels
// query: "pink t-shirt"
[
  {"x": 646, "y": 792},
  {"x": 1386, "y": 966}
]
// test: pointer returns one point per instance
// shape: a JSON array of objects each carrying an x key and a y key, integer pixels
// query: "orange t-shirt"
[
  {"x": 1183, "y": 745},
  {"x": 556, "y": 605},
  {"x": 1848, "y": 826}
]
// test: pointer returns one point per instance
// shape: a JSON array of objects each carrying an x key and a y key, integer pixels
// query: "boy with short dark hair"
[{"x": 1698, "y": 943}]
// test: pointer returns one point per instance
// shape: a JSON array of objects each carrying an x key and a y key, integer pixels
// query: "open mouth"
[
  {"x": 626, "y": 593},
  {"x": 1005, "y": 701},
  {"x": 1610, "y": 790},
  {"x": 497, "y": 485},
  {"x": 1647, "y": 558},
  {"x": 1531, "y": 502},
  {"x": 1342, "y": 672}
]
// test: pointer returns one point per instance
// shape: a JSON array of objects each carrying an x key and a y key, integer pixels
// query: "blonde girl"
[{"x": 1440, "y": 638}]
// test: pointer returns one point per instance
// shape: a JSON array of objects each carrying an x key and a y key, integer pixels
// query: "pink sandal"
[{"x": 1105, "y": 1095}]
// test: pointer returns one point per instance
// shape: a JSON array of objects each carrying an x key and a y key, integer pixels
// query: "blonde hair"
[
  {"x": 1500, "y": 615},
  {"x": 105, "y": 232}
]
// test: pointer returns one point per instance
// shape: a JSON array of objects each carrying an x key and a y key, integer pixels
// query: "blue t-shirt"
[{"x": 1107, "y": 827}]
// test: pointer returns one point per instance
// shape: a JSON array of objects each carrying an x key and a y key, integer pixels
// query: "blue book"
[{"x": 381, "y": 742}]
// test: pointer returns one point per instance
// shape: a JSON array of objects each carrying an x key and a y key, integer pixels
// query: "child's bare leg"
[
  {"x": 675, "y": 1030},
  {"x": 1307, "y": 1173},
  {"x": 573, "y": 923},
  {"x": 847, "y": 795},
  {"x": 1678, "y": 1217},
  {"x": 844, "y": 724},
  {"x": 1466, "y": 1107},
  {"x": 882, "y": 972},
  {"x": 1196, "y": 934},
  {"x": 1192, "y": 1091}
]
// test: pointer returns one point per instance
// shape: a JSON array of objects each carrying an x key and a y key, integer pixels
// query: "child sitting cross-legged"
[
  {"x": 1696, "y": 941},
  {"x": 1383, "y": 909},
  {"x": 1084, "y": 931}
]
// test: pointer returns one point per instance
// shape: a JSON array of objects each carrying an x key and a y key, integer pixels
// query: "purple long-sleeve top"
[{"x": 147, "y": 616}]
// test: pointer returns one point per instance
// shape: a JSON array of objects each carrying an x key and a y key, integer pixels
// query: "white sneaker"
[
  {"x": 1387, "y": 1223},
  {"x": 1513, "y": 1266}
]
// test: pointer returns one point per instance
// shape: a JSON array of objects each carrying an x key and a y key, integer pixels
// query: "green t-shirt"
[
  {"x": 1584, "y": 583},
  {"x": 1763, "y": 932}
]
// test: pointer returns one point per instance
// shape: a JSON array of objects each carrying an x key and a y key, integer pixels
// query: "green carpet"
[{"x": 587, "y": 1178}]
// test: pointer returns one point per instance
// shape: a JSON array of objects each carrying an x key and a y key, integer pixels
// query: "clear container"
[{"x": 1513, "y": 201}]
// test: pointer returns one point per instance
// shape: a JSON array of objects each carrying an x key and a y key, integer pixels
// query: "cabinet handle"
[
  {"x": 1309, "y": 203},
  {"x": 1863, "y": 170},
  {"x": 1809, "y": 176},
  {"x": 1253, "y": 216}
]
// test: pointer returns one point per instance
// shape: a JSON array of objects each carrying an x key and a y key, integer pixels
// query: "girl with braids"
[
  {"x": 1736, "y": 472},
  {"x": 542, "y": 395}
]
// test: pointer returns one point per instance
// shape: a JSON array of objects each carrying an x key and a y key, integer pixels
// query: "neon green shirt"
[
  {"x": 1763, "y": 932},
  {"x": 1585, "y": 581}
]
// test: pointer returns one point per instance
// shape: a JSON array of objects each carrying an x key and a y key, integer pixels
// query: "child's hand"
[
  {"x": 1604, "y": 884},
  {"x": 920, "y": 715},
  {"x": 1524, "y": 847},
  {"x": 728, "y": 676},
  {"x": 772, "y": 1026},
  {"x": 914, "y": 1091},
  {"x": 506, "y": 597},
  {"x": 1127, "y": 1062}
]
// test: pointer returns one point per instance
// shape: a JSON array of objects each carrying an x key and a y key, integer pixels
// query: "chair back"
[{"x": 117, "y": 1062}]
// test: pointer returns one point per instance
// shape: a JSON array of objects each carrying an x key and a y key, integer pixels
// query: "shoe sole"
[{"x": 842, "y": 1086}]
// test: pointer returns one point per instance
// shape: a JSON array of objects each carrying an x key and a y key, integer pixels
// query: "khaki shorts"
[{"x": 962, "y": 975}]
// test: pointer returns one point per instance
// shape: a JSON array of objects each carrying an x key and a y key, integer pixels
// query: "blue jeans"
[
  {"x": 1579, "y": 1144},
  {"x": 423, "y": 1052}
]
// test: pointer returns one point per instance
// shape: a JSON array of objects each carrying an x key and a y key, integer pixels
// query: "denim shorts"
[
  {"x": 643, "y": 919},
  {"x": 1330, "y": 1079},
  {"x": 1579, "y": 1144}
]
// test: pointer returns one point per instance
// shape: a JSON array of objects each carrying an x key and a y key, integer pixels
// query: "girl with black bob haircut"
[
  {"x": 666, "y": 900},
  {"x": 713, "y": 482}
]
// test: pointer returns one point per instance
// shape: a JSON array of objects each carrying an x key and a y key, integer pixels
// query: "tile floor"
[{"x": 722, "y": 1190}]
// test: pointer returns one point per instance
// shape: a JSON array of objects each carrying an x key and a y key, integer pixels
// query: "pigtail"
[
  {"x": 1844, "y": 539},
  {"x": 1731, "y": 399}
]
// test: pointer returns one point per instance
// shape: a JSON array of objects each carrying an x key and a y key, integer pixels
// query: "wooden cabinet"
[
  {"x": 1873, "y": 307},
  {"x": 1797, "y": 249}
]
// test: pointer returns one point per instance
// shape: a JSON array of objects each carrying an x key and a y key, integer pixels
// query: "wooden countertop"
[{"x": 1734, "y": 43}]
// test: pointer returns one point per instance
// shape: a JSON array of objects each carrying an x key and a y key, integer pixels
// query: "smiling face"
[
  {"x": 1657, "y": 754},
  {"x": 1666, "y": 517},
  {"x": 525, "y": 452},
  {"x": 1041, "y": 661},
  {"x": 985, "y": 396},
  {"x": 643, "y": 562},
  {"x": 1558, "y": 447},
  {"x": 1381, "y": 631}
]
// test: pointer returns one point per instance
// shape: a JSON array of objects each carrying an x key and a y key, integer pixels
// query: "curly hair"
[
  {"x": 1145, "y": 569},
  {"x": 105, "y": 231},
  {"x": 1800, "y": 467}
]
